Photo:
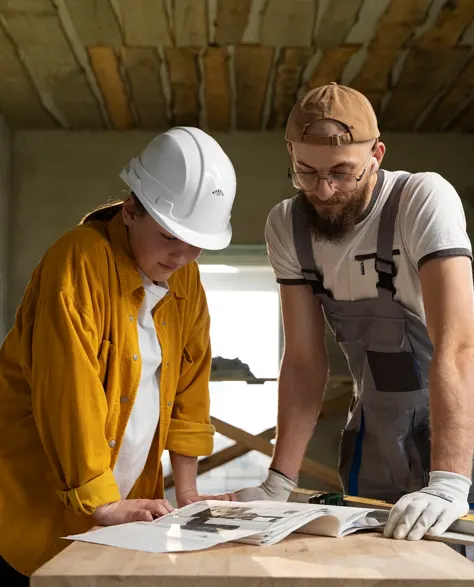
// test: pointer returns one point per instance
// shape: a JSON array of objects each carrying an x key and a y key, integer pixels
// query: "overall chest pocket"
[{"x": 390, "y": 359}]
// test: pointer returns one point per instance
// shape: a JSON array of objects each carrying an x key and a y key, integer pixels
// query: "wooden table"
[{"x": 358, "y": 560}]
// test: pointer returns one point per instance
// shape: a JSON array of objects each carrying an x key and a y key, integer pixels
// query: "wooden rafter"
[
  {"x": 252, "y": 66},
  {"x": 142, "y": 66},
  {"x": 217, "y": 88},
  {"x": 231, "y": 20},
  {"x": 19, "y": 99},
  {"x": 183, "y": 75},
  {"x": 394, "y": 29},
  {"x": 288, "y": 24},
  {"x": 458, "y": 93},
  {"x": 106, "y": 67},
  {"x": 433, "y": 61},
  {"x": 190, "y": 23},
  {"x": 336, "y": 22},
  {"x": 145, "y": 22},
  {"x": 286, "y": 82},
  {"x": 52, "y": 65},
  {"x": 331, "y": 65}
]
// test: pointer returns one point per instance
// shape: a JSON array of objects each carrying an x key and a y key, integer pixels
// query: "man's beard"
[{"x": 335, "y": 227}]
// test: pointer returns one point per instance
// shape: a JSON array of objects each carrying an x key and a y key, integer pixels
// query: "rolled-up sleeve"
[
  {"x": 191, "y": 432},
  {"x": 69, "y": 403}
]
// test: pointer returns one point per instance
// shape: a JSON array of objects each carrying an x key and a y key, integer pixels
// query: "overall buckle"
[{"x": 386, "y": 270}]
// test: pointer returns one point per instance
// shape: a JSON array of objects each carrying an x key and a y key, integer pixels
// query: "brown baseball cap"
[{"x": 335, "y": 102}]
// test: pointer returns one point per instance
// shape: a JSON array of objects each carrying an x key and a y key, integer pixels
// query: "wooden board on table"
[{"x": 358, "y": 560}]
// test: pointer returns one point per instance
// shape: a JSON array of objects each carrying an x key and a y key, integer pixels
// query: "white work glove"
[
  {"x": 432, "y": 509},
  {"x": 276, "y": 487}
]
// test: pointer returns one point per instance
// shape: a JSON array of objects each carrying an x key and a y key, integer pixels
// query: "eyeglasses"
[{"x": 339, "y": 182}]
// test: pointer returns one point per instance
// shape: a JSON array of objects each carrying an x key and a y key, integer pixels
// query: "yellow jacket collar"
[{"x": 127, "y": 270}]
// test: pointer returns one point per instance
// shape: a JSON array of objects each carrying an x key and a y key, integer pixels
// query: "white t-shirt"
[
  {"x": 141, "y": 425},
  {"x": 430, "y": 223}
]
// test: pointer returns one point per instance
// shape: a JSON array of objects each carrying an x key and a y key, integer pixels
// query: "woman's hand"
[
  {"x": 131, "y": 510},
  {"x": 191, "y": 496}
]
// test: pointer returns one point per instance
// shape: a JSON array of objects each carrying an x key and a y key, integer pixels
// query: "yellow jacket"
[{"x": 69, "y": 372}]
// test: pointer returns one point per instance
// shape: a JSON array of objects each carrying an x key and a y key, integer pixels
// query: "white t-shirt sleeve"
[
  {"x": 280, "y": 245},
  {"x": 433, "y": 223}
]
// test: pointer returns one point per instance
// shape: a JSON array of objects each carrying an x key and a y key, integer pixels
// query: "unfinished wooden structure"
[{"x": 232, "y": 64}]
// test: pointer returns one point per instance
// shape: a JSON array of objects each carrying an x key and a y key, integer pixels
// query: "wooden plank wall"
[{"x": 231, "y": 64}]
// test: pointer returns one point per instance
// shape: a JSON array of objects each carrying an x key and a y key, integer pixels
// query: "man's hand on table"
[
  {"x": 131, "y": 510},
  {"x": 276, "y": 487},
  {"x": 191, "y": 496},
  {"x": 431, "y": 510}
]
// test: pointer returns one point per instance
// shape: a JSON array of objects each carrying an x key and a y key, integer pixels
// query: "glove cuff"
[
  {"x": 448, "y": 485},
  {"x": 279, "y": 485}
]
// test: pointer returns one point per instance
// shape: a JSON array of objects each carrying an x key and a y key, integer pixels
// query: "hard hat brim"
[{"x": 211, "y": 242}]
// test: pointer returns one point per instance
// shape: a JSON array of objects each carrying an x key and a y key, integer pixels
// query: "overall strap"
[
  {"x": 384, "y": 264},
  {"x": 304, "y": 247}
]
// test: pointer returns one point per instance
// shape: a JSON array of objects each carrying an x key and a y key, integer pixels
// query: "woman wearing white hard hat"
[{"x": 108, "y": 362}]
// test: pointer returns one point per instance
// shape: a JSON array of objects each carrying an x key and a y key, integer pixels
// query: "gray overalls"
[{"x": 385, "y": 445}]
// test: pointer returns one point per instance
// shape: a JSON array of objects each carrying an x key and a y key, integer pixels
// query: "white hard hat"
[{"x": 187, "y": 184}]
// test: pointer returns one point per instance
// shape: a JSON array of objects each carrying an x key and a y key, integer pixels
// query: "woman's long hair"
[{"x": 107, "y": 211}]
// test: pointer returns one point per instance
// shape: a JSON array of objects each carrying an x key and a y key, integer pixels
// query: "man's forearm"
[
  {"x": 184, "y": 472},
  {"x": 452, "y": 411},
  {"x": 299, "y": 401}
]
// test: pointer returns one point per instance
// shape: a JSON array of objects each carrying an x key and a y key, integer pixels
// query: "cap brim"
[{"x": 211, "y": 242}]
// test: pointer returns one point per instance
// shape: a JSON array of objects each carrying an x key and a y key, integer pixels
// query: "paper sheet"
[{"x": 196, "y": 527}]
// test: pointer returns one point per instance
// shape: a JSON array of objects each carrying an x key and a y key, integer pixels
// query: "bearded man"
[{"x": 384, "y": 258}]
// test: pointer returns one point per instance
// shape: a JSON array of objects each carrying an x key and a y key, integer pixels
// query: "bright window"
[
  {"x": 245, "y": 325},
  {"x": 244, "y": 309}
]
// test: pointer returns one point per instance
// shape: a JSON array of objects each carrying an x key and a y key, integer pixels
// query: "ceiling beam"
[
  {"x": 145, "y": 22},
  {"x": 184, "y": 82},
  {"x": 19, "y": 99},
  {"x": 105, "y": 64},
  {"x": 59, "y": 78},
  {"x": 432, "y": 63},
  {"x": 231, "y": 21},
  {"x": 394, "y": 29},
  {"x": 288, "y": 24},
  {"x": 286, "y": 81},
  {"x": 336, "y": 22},
  {"x": 217, "y": 88},
  {"x": 252, "y": 66},
  {"x": 331, "y": 65},
  {"x": 459, "y": 93},
  {"x": 96, "y": 22},
  {"x": 142, "y": 67},
  {"x": 190, "y": 23}
]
